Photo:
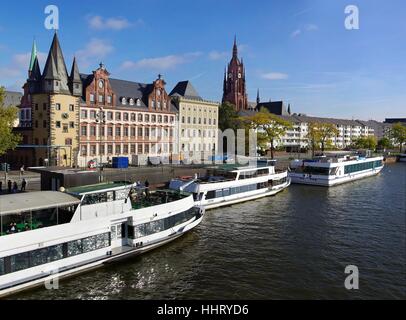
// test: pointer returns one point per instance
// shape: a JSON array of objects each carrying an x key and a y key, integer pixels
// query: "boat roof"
[
  {"x": 99, "y": 187},
  {"x": 16, "y": 203}
]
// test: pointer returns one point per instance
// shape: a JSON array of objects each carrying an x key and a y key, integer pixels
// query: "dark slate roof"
[
  {"x": 343, "y": 122},
  {"x": 55, "y": 67},
  {"x": 185, "y": 89},
  {"x": 124, "y": 88},
  {"x": 275, "y": 107},
  {"x": 74, "y": 74},
  {"x": 395, "y": 120},
  {"x": 12, "y": 98}
]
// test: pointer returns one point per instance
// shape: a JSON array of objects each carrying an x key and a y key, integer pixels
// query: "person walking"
[
  {"x": 23, "y": 185},
  {"x": 15, "y": 187},
  {"x": 22, "y": 170},
  {"x": 9, "y": 185},
  {"x": 147, "y": 188}
]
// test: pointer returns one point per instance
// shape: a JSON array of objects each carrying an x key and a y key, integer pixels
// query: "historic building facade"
[
  {"x": 234, "y": 88},
  {"x": 197, "y": 123},
  {"x": 124, "y": 118}
]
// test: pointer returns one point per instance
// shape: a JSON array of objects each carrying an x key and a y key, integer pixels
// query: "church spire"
[
  {"x": 235, "y": 49},
  {"x": 258, "y": 99},
  {"x": 289, "y": 108}
]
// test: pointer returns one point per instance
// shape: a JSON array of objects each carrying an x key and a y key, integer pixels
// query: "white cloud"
[
  {"x": 96, "y": 49},
  {"x": 274, "y": 76},
  {"x": 307, "y": 28},
  {"x": 216, "y": 55},
  {"x": 161, "y": 63},
  {"x": 311, "y": 27},
  {"x": 113, "y": 23},
  {"x": 18, "y": 65},
  {"x": 295, "y": 33}
]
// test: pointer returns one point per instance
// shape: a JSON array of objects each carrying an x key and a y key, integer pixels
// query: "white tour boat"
[
  {"x": 333, "y": 170},
  {"x": 227, "y": 185},
  {"x": 51, "y": 234}
]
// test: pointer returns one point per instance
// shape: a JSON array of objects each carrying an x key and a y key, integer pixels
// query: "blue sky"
[{"x": 297, "y": 51}]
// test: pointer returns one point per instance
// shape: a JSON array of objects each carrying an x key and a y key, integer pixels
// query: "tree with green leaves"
[
  {"x": 399, "y": 134},
  {"x": 269, "y": 127},
  {"x": 320, "y": 134},
  {"x": 367, "y": 142},
  {"x": 384, "y": 143},
  {"x": 228, "y": 117},
  {"x": 8, "y": 115}
]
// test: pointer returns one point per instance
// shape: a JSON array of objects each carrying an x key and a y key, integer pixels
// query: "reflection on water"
[{"x": 293, "y": 245}]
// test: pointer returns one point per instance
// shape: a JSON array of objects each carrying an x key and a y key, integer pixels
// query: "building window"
[
  {"x": 140, "y": 117},
  {"x": 125, "y": 131},
  {"x": 166, "y": 119},
  {"x": 101, "y": 148},
  {"x": 91, "y": 97},
  {"x": 83, "y": 131},
  {"x": 146, "y": 148},
  {"x": 133, "y": 117},
  {"x": 183, "y": 119},
  {"x": 71, "y": 107},
  {"x": 172, "y": 119},
  {"x": 118, "y": 149},
  {"x": 123, "y": 101},
  {"x": 109, "y": 115},
  {"x": 131, "y": 102},
  {"x": 146, "y": 118},
  {"x": 140, "y": 148},
  {"x": 71, "y": 125},
  {"x": 92, "y": 114},
  {"x": 58, "y": 107},
  {"x": 138, "y": 103},
  {"x": 101, "y": 98},
  {"x": 93, "y": 131},
  {"x": 36, "y": 106},
  {"x": 125, "y": 116},
  {"x": 214, "y": 122},
  {"x": 152, "y": 104},
  {"x": 118, "y": 131},
  {"x": 133, "y": 132},
  {"x": 83, "y": 114},
  {"x": 110, "y": 149},
  {"x": 159, "y": 119},
  {"x": 125, "y": 149},
  {"x": 65, "y": 128},
  {"x": 58, "y": 124},
  {"x": 68, "y": 141},
  {"x": 146, "y": 132},
  {"x": 153, "y": 118},
  {"x": 92, "y": 150},
  {"x": 110, "y": 131},
  {"x": 109, "y": 99},
  {"x": 83, "y": 150},
  {"x": 188, "y": 119},
  {"x": 159, "y": 105},
  {"x": 140, "y": 132},
  {"x": 118, "y": 116},
  {"x": 44, "y": 106},
  {"x": 133, "y": 148},
  {"x": 194, "y": 120},
  {"x": 44, "y": 123}
]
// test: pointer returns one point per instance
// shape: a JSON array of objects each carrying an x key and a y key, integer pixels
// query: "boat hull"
[
  {"x": 318, "y": 180},
  {"x": 71, "y": 271},
  {"x": 230, "y": 200}
]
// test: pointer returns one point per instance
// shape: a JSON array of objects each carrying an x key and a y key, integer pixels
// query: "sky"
[{"x": 298, "y": 51}]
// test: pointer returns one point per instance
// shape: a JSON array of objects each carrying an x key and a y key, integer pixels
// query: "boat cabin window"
[
  {"x": 317, "y": 170},
  {"x": 100, "y": 197},
  {"x": 254, "y": 173},
  {"x": 362, "y": 166},
  {"x": 35, "y": 219}
]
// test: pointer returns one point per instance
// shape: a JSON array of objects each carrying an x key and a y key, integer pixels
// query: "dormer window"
[
  {"x": 138, "y": 103},
  {"x": 91, "y": 97},
  {"x": 123, "y": 101},
  {"x": 131, "y": 102},
  {"x": 109, "y": 99}
]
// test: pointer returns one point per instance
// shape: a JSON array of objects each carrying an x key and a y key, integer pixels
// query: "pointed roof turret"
[
  {"x": 35, "y": 72},
  {"x": 55, "y": 67},
  {"x": 33, "y": 57},
  {"x": 74, "y": 74},
  {"x": 258, "y": 99},
  {"x": 289, "y": 108}
]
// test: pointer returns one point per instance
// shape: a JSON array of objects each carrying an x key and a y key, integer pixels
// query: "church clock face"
[
  {"x": 101, "y": 84},
  {"x": 239, "y": 75}
]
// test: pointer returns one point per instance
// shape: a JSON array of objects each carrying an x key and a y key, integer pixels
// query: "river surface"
[{"x": 294, "y": 245}]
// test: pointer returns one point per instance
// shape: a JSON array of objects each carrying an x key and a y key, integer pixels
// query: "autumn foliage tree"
[
  {"x": 269, "y": 127},
  {"x": 320, "y": 134},
  {"x": 399, "y": 134},
  {"x": 8, "y": 115}
]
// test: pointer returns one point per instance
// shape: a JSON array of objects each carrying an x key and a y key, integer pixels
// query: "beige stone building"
[{"x": 197, "y": 123}]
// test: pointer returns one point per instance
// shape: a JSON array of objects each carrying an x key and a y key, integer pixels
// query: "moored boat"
[
  {"x": 333, "y": 170},
  {"x": 51, "y": 234},
  {"x": 226, "y": 185}
]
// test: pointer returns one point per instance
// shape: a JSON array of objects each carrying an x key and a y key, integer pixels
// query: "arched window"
[
  {"x": 138, "y": 102},
  {"x": 123, "y": 101},
  {"x": 131, "y": 101}
]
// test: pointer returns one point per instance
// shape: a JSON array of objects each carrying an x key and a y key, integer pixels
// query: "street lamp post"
[{"x": 101, "y": 120}]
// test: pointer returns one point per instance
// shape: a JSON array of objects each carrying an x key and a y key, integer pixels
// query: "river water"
[{"x": 294, "y": 245}]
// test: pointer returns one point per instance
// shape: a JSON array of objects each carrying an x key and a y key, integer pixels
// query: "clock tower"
[{"x": 234, "y": 90}]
